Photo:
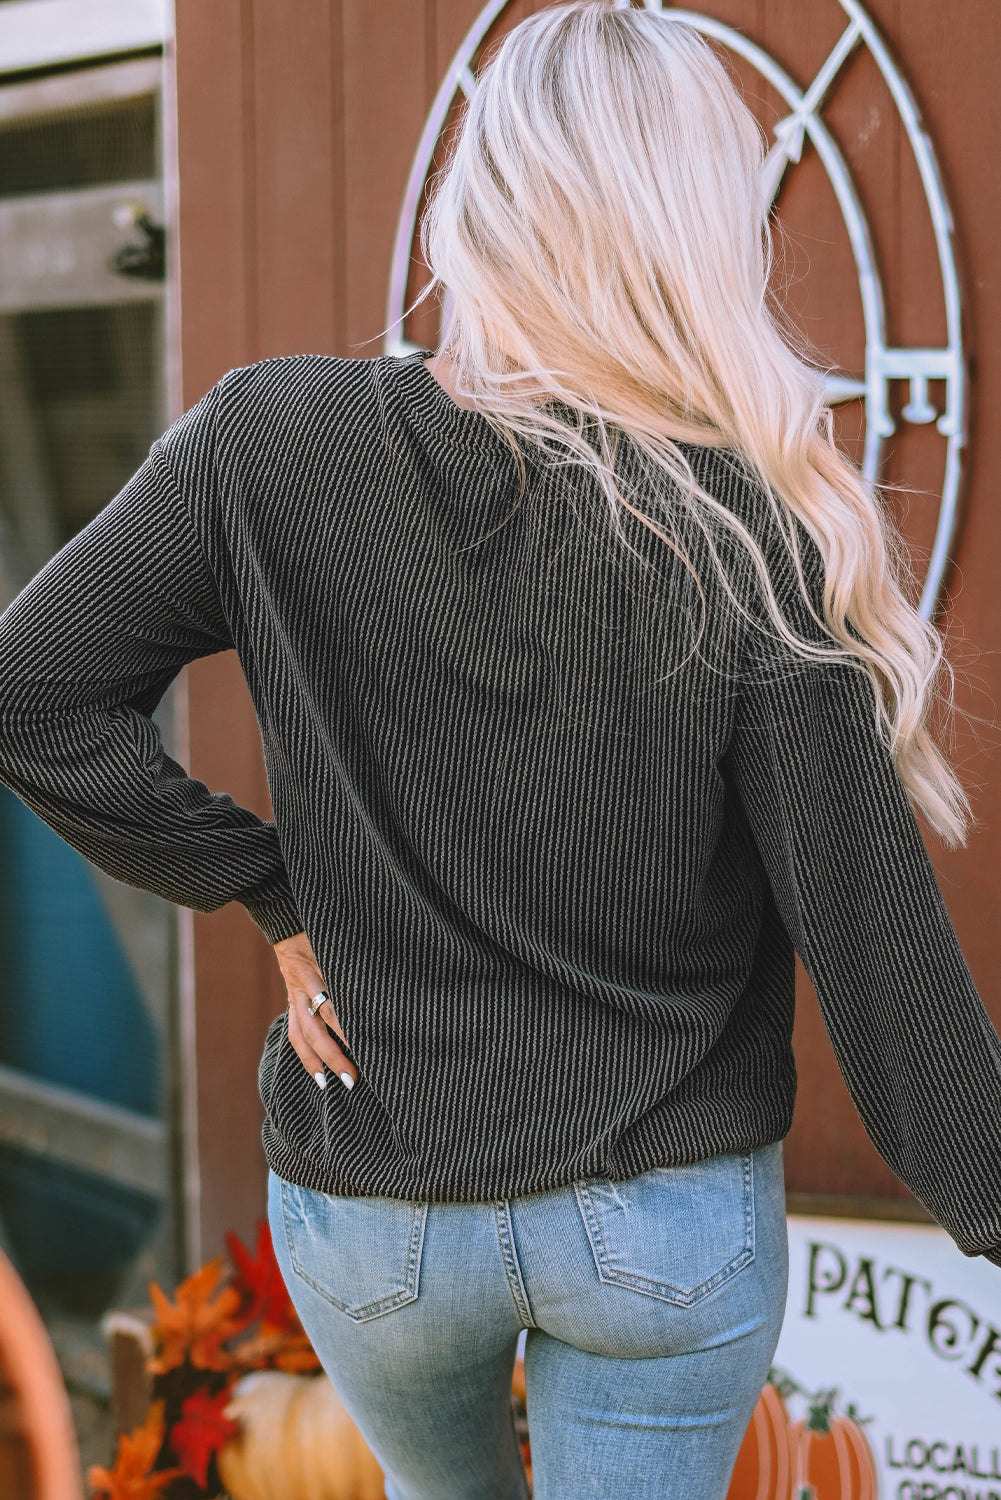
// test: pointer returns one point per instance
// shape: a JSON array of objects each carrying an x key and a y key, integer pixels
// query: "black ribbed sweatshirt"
[{"x": 552, "y": 835}]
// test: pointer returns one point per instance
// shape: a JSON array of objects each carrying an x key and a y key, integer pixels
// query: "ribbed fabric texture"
[{"x": 553, "y": 848}]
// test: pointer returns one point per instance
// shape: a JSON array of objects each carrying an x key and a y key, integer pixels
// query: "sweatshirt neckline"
[{"x": 463, "y": 423}]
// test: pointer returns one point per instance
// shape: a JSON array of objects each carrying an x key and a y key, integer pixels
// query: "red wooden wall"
[{"x": 297, "y": 123}]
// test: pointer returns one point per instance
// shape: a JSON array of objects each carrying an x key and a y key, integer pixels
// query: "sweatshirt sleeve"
[
  {"x": 859, "y": 897},
  {"x": 87, "y": 651}
]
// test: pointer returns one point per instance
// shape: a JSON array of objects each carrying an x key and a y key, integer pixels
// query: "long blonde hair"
[{"x": 601, "y": 240}]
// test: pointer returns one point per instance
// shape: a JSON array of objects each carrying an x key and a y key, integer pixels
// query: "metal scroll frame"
[{"x": 882, "y": 363}]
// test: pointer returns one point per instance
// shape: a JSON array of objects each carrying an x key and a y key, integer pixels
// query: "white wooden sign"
[{"x": 908, "y": 1332}]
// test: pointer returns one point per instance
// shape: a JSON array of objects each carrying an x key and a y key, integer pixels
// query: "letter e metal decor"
[{"x": 803, "y": 123}]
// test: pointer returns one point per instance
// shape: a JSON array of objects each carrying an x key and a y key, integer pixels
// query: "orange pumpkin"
[
  {"x": 297, "y": 1442},
  {"x": 519, "y": 1397},
  {"x": 763, "y": 1470},
  {"x": 38, "y": 1452},
  {"x": 832, "y": 1459}
]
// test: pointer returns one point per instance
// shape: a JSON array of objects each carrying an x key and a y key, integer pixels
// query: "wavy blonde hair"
[{"x": 601, "y": 239}]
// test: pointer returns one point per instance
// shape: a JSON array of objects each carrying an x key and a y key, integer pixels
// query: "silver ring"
[{"x": 317, "y": 1001}]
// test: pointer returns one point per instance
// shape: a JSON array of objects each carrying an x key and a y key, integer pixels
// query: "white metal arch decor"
[{"x": 882, "y": 363}]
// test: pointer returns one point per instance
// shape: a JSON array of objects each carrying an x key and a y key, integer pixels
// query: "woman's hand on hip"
[{"x": 308, "y": 1034}]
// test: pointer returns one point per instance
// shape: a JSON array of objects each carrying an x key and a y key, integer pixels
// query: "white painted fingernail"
[
  {"x": 320, "y": 1079},
  {"x": 347, "y": 1080}
]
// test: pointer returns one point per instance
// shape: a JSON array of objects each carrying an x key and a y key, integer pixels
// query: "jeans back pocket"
[
  {"x": 677, "y": 1233},
  {"x": 362, "y": 1255}
]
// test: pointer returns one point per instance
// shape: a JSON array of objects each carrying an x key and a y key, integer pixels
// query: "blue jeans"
[{"x": 652, "y": 1307}]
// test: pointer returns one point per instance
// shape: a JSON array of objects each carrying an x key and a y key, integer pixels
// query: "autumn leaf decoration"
[
  {"x": 257, "y": 1279},
  {"x": 131, "y": 1478},
  {"x": 201, "y": 1432},
  {"x": 227, "y": 1318},
  {"x": 197, "y": 1325},
  {"x": 279, "y": 1342}
]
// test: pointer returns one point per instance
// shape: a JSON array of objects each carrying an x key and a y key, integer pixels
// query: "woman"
[{"x": 589, "y": 690}]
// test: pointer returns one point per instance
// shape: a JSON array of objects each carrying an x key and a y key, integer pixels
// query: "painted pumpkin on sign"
[
  {"x": 763, "y": 1470},
  {"x": 832, "y": 1459}
]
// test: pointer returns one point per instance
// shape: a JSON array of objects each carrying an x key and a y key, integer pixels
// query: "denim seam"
[
  {"x": 368, "y": 1310},
  {"x": 663, "y": 1290},
  {"x": 749, "y": 1228},
  {"x": 509, "y": 1255}
]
